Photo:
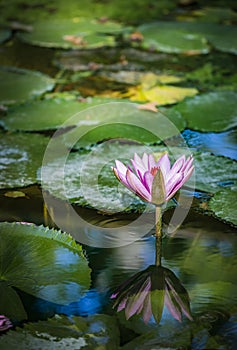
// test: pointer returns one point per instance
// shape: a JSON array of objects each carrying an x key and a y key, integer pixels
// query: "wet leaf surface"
[
  {"x": 211, "y": 172},
  {"x": 28, "y": 254},
  {"x": 213, "y": 111},
  {"x": 20, "y": 157},
  {"x": 60, "y": 332},
  {"x": 223, "y": 204}
]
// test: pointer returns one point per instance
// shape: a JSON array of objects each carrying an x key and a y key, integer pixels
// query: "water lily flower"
[
  {"x": 154, "y": 181},
  {"x": 5, "y": 323},
  {"x": 148, "y": 291}
]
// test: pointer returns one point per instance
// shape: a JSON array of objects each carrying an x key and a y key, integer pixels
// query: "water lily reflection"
[
  {"x": 148, "y": 291},
  {"x": 5, "y": 323}
]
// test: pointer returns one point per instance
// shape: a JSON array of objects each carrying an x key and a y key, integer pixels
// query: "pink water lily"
[{"x": 148, "y": 174}]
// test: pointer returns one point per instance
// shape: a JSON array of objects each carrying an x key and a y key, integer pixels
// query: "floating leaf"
[
  {"x": 214, "y": 111},
  {"x": 223, "y": 37},
  {"x": 88, "y": 179},
  {"x": 18, "y": 85},
  {"x": 45, "y": 263},
  {"x": 20, "y": 157},
  {"x": 10, "y": 302},
  {"x": 223, "y": 204},
  {"x": 215, "y": 15},
  {"x": 173, "y": 37},
  {"x": 74, "y": 33},
  {"x": 122, "y": 120},
  {"x": 213, "y": 172},
  {"x": 41, "y": 115},
  {"x": 162, "y": 95},
  {"x": 61, "y": 332},
  {"x": 4, "y": 35}
]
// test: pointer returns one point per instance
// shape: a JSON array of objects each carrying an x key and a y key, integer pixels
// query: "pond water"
[{"x": 202, "y": 252}]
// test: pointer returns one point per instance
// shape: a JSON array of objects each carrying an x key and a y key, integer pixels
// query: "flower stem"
[{"x": 158, "y": 235}]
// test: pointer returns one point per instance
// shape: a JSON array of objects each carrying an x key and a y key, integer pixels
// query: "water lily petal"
[
  {"x": 164, "y": 164},
  {"x": 147, "y": 180},
  {"x": 187, "y": 176},
  {"x": 120, "y": 177},
  {"x": 188, "y": 164},
  {"x": 173, "y": 185},
  {"x": 145, "y": 160},
  {"x": 137, "y": 187},
  {"x": 177, "y": 167},
  {"x": 152, "y": 162}
]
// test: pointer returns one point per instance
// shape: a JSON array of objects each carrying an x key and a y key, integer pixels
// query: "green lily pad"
[
  {"x": 5, "y": 34},
  {"x": 215, "y": 15},
  {"x": 74, "y": 33},
  {"x": 10, "y": 303},
  {"x": 89, "y": 180},
  {"x": 173, "y": 37},
  {"x": 214, "y": 111},
  {"x": 61, "y": 332},
  {"x": 223, "y": 38},
  {"x": 214, "y": 172},
  {"x": 45, "y": 263},
  {"x": 20, "y": 157},
  {"x": 122, "y": 120},
  {"x": 41, "y": 115},
  {"x": 18, "y": 85},
  {"x": 223, "y": 204}
]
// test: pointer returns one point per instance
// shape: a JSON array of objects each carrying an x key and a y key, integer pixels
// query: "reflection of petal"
[
  {"x": 5, "y": 323},
  {"x": 172, "y": 306},
  {"x": 178, "y": 295},
  {"x": 147, "y": 311},
  {"x": 147, "y": 291}
]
